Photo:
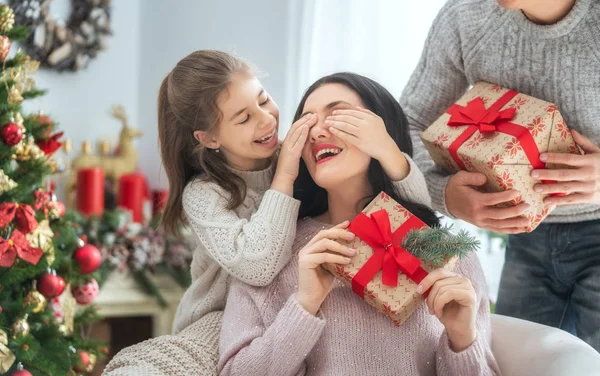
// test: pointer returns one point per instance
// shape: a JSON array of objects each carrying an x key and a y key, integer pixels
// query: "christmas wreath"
[{"x": 59, "y": 45}]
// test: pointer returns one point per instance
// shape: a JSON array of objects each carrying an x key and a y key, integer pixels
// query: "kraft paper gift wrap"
[
  {"x": 390, "y": 275},
  {"x": 501, "y": 133}
]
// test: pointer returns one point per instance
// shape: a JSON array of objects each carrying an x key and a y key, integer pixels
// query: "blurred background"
[{"x": 293, "y": 42}]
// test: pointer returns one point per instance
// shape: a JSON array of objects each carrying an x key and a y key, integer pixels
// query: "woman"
[{"x": 307, "y": 323}]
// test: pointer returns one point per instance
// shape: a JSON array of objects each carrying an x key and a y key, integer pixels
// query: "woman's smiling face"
[{"x": 331, "y": 162}]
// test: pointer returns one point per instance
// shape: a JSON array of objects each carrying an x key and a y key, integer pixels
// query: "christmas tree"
[{"x": 45, "y": 266}]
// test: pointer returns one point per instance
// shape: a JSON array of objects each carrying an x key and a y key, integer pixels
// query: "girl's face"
[
  {"x": 247, "y": 132},
  {"x": 331, "y": 162}
]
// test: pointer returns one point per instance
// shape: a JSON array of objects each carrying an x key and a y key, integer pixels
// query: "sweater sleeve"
[
  {"x": 252, "y": 250},
  {"x": 250, "y": 347},
  {"x": 437, "y": 82},
  {"x": 414, "y": 187},
  {"x": 194, "y": 351},
  {"x": 477, "y": 359}
]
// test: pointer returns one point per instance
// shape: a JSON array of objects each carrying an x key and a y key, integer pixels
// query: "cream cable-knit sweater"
[
  {"x": 477, "y": 40},
  {"x": 194, "y": 350},
  {"x": 251, "y": 243}
]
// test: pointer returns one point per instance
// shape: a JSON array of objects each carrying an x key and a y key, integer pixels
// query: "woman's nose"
[{"x": 319, "y": 131}]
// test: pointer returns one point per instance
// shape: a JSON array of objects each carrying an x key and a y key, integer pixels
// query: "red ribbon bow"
[
  {"x": 50, "y": 144},
  {"x": 24, "y": 213},
  {"x": 18, "y": 245},
  {"x": 476, "y": 114},
  {"x": 388, "y": 254},
  {"x": 491, "y": 120}
]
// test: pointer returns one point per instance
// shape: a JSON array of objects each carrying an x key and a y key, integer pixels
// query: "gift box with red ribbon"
[
  {"x": 500, "y": 133},
  {"x": 382, "y": 272}
]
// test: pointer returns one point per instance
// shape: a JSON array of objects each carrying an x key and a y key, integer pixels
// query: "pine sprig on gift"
[{"x": 437, "y": 245}]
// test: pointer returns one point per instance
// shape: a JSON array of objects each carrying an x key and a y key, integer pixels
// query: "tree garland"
[{"x": 61, "y": 46}]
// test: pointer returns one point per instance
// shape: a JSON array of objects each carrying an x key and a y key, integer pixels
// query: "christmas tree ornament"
[
  {"x": 7, "y": 18},
  {"x": 85, "y": 293},
  {"x": 12, "y": 134},
  {"x": 6, "y": 183},
  {"x": 51, "y": 144},
  {"x": 35, "y": 300},
  {"x": 92, "y": 363},
  {"x": 17, "y": 244},
  {"x": 7, "y": 357},
  {"x": 24, "y": 214},
  {"x": 64, "y": 330},
  {"x": 20, "y": 327},
  {"x": 51, "y": 285},
  {"x": 83, "y": 361},
  {"x": 41, "y": 238},
  {"x": 14, "y": 96},
  {"x": 57, "y": 309},
  {"x": 27, "y": 150},
  {"x": 88, "y": 258},
  {"x": 4, "y": 47},
  {"x": 21, "y": 371},
  {"x": 60, "y": 209}
]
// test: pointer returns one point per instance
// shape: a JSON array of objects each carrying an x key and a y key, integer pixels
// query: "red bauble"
[
  {"x": 51, "y": 285},
  {"x": 22, "y": 372},
  {"x": 4, "y": 47},
  {"x": 86, "y": 293},
  {"x": 85, "y": 361},
  {"x": 12, "y": 134},
  {"x": 89, "y": 258},
  {"x": 61, "y": 208}
]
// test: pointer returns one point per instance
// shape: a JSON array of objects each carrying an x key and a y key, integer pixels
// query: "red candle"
[
  {"x": 159, "y": 200},
  {"x": 131, "y": 194},
  {"x": 90, "y": 191}
]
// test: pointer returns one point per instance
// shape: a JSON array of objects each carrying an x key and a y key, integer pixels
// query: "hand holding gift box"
[
  {"x": 395, "y": 252},
  {"x": 501, "y": 133}
]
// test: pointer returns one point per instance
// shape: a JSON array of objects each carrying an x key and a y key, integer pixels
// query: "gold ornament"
[
  {"x": 20, "y": 327},
  {"x": 4, "y": 47},
  {"x": 19, "y": 121},
  {"x": 68, "y": 305},
  {"x": 14, "y": 96},
  {"x": 21, "y": 75},
  {"x": 41, "y": 237},
  {"x": 7, "y": 358},
  {"x": 7, "y": 18},
  {"x": 63, "y": 330},
  {"x": 6, "y": 183},
  {"x": 36, "y": 300},
  {"x": 92, "y": 363},
  {"x": 27, "y": 149}
]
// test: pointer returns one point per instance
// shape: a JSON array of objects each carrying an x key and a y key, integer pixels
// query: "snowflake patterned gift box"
[
  {"x": 500, "y": 133},
  {"x": 382, "y": 273}
]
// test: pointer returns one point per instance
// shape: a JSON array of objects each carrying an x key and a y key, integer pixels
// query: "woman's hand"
[
  {"x": 452, "y": 299},
  {"x": 290, "y": 153},
  {"x": 314, "y": 282},
  {"x": 367, "y": 132}
]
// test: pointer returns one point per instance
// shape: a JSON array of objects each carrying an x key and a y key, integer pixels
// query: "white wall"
[
  {"x": 80, "y": 101},
  {"x": 171, "y": 30}
]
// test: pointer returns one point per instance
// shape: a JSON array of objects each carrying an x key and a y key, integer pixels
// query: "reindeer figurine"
[{"x": 124, "y": 161}]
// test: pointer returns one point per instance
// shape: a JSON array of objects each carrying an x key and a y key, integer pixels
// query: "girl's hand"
[
  {"x": 367, "y": 132},
  {"x": 452, "y": 300},
  {"x": 314, "y": 282},
  {"x": 290, "y": 153}
]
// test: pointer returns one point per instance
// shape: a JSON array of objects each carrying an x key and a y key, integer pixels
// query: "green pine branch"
[
  {"x": 437, "y": 245},
  {"x": 17, "y": 33}
]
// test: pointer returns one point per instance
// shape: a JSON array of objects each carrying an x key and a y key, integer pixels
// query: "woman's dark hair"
[{"x": 377, "y": 99}]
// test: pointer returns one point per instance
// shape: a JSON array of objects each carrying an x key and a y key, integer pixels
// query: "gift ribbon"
[
  {"x": 490, "y": 120},
  {"x": 389, "y": 256}
]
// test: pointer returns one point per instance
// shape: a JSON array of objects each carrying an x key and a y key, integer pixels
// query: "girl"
[
  {"x": 218, "y": 132},
  {"x": 306, "y": 323}
]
